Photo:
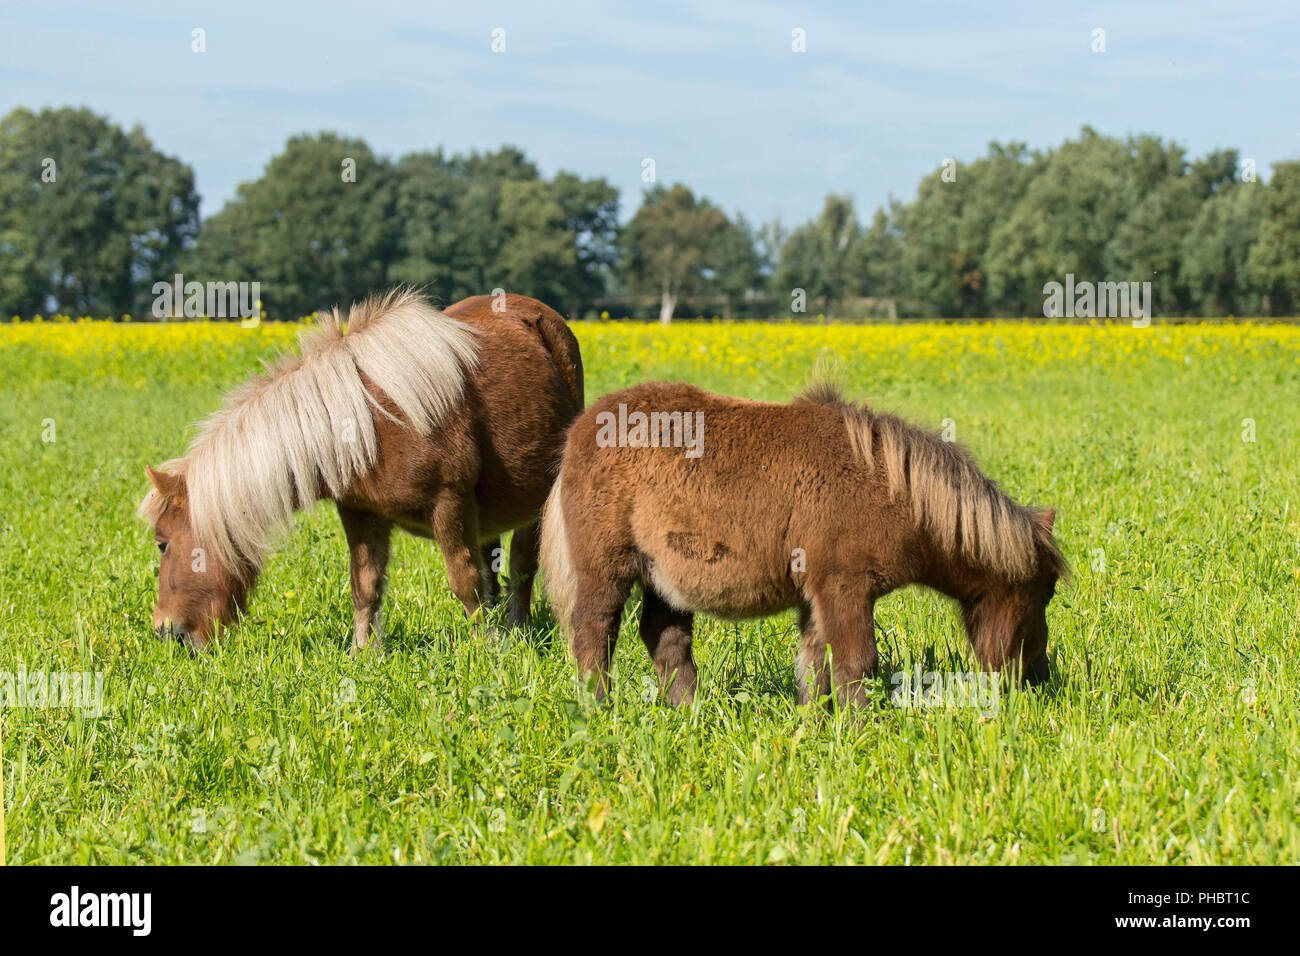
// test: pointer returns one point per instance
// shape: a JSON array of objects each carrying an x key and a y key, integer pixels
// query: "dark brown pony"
[
  {"x": 445, "y": 424},
  {"x": 739, "y": 509}
]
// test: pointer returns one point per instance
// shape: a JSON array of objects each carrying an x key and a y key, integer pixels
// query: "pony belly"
[
  {"x": 732, "y": 587},
  {"x": 411, "y": 526}
]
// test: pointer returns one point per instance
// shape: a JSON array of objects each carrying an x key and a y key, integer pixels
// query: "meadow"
[{"x": 1169, "y": 733}]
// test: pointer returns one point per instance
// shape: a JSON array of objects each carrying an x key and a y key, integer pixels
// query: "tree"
[
  {"x": 948, "y": 230},
  {"x": 538, "y": 256},
  {"x": 1215, "y": 251},
  {"x": 590, "y": 210},
  {"x": 469, "y": 224},
  {"x": 1070, "y": 209},
  {"x": 90, "y": 216},
  {"x": 737, "y": 264},
  {"x": 769, "y": 239},
  {"x": 1275, "y": 259},
  {"x": 878, "y": 258},
  {"x": 451, "y": 235},
  {"x": 668, "y": 244},
  {"x": 817, "y": 257},
  {"x": 476, "y": 228},
  {"x": 1148, "y": 245},
  {"x": 428, "y": 247},
  {"x": 318, "y": 228},
  {"x": 982, "y": 238}
]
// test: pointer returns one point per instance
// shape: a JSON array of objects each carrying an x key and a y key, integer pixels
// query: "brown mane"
[{"x": 950, "y": 496}]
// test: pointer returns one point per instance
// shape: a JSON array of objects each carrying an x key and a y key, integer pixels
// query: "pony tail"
[{"x": 558, "y": 576}]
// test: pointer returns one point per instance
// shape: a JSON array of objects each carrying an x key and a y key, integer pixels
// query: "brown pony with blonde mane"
[
  {"x": 820, "y": 505},
  {"x": 448, "y": 425}
]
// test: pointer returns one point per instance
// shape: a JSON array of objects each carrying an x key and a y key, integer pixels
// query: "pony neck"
[{"x": 961, "y": 579}]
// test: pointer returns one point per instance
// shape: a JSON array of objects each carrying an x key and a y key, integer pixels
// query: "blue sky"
[{"x": 712, "y": 91}]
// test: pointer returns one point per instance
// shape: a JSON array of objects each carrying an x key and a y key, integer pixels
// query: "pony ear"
[
  {"x": 168, "y": 485},
  {"x": 1046, "y": 520}
]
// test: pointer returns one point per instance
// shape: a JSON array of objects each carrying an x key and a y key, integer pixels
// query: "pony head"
[
  {"x": 198, "y": 594},
  {"x": 1007, "y": 622}
]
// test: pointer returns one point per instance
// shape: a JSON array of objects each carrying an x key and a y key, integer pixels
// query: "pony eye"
[{"x": 162, "y": 547}]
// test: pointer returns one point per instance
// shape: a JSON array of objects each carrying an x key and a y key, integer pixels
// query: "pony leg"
[
  {"x": 667, "y": 635},
  {"x": 595, "y": 627},
  {"x": 455, "y": 528},
  {"x": 490, "y": 553},
  {"x": 368, "y": 537},
  {"x": 845, "y": 623},
  {"x": 812, "y": 677},
  {"x": 524, "y": 546}
]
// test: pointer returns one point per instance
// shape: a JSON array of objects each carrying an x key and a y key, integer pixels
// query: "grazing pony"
[
  {"x": 739, "y": 509},
  {"x": 446, "y": 424}
]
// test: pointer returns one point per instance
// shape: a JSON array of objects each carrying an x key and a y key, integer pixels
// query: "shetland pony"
[
  {"x": 819, "y": 505},
  {"x": 448, "y": 425}
]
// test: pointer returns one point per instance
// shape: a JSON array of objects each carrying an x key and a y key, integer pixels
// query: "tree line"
[{"x": 93, "y": 216}]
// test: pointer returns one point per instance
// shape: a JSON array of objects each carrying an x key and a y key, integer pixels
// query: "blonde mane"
[
  {"x": 306, "y": 429},
  {"x": 960, "y": 506}
]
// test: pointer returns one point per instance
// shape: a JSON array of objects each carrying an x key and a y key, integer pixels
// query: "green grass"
[{"x": 1169, "y": 734}]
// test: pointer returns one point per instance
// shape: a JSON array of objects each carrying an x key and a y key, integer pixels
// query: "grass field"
[{"x": 1169, "y": 734}]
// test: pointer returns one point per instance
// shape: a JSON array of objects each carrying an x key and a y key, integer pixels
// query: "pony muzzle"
[
  {"x": 168, "y": 631},
  {"x": 1038, "y": 670}
]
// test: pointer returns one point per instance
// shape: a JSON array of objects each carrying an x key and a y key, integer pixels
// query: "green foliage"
[
  {"x": 1215, "y": 252},
  {"x": 537, "y": 253},
  {"x": 590, "y": 209},
  {"x": 979, "y": 239},
  {"x": 90, "y": 215},
  {"x": 557, "y": 238},
  {"x": 449, "y": 219},
  {"x": 1275, "y": 259},
  {"x": 737, "y": 263},
  {"x": 878, "y": 260},
  {"x": 982, "y": 238},
  {"x": 669, "y": 244},
  {"x": 306, "y": 230},
  {"x": 1062, "y": 223},
  {"x": 947, "y": 231},
  {"x": 817, "y": 257},
  {"x": 1148, "y": 245},
  {"x": 455, "y": 226}
]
